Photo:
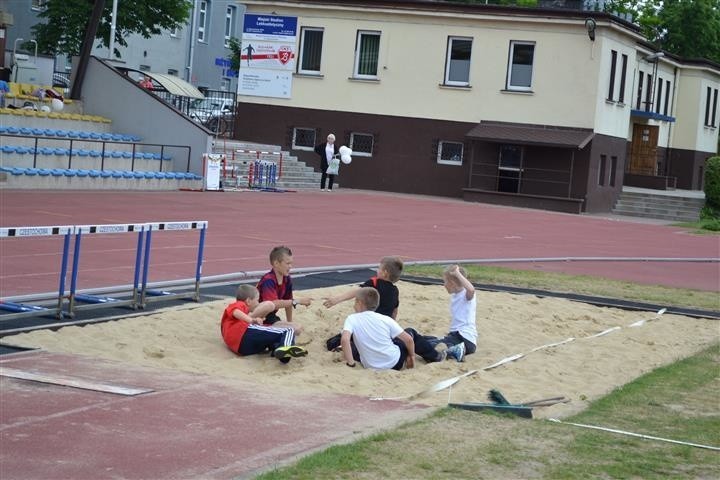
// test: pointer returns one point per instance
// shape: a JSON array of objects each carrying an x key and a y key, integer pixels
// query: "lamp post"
[{"x": 113, "y": 24}]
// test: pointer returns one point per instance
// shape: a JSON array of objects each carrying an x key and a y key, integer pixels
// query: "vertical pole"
[
  {"x": 198, "y": 269},
  {"x": 63, "y": 273},
  {"x": 74, "y": 273},
  {"x": 138, "y": 262},
  {"x": 572, "y": 167},
  {"x": 113, "y": 25},
  {"x": 146, "y": 266}
]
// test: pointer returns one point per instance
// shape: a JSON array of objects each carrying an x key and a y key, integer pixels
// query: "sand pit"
[{"x": 188, "y": 338}]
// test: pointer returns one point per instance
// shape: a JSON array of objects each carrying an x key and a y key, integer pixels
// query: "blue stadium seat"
[
  {"x": 117, "y": 137},
  {"x": 18, "y": 170},
  {"x": 138, "y": 174},
  {"x": 3, "y": 129},
  {"x": 57, "y": 172},
  {"x": 5, "y": 169},
  {"x": 13, "y": 130},
  {"x": 106, "y": 136},
  {"x": 135, "y": 138},
  {"x": 95, "y": 136},
  {"x": 22, "y": 150},
  {"x": 61, "y": 151},
  {"x": 82, "y": 152},
  {"x": 106, "y": 174},
  {"x": 46, "y": 151},
  {"x": 128, "y": 174},
  {"x": 31, "y": 171},
  {"x": 84, "y": 134},
  {"x": 115, "y": 154},
  {"x": 170, "y": 175},
  {"x": 73, "y": 134},
  {"x": 95, "y": 153},
  {"x": 44, "y": 172},
  {"x": 94, "y": 173},
  {"x": 127, "y": 155},
  {"x": 69, "y": 172},
  {"x": 82, "y": 173},
  {"x": 26, "y": 131},
  {"x": 127, "y": 138},
  {"x": 117, "y": 174},
  {"x": 39, "y": 131},
  {"x": 8, "y": 148}
]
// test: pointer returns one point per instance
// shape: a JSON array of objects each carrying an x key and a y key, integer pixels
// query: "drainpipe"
[
  {"x": 191, "y": 49},
  {"x": 668, "y": 158},
  {"x": 86, "y": 50}
]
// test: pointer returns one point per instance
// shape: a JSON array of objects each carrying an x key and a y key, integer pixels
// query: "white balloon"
[
  {"x": 345, "y": 151},
  {"x": 346, "y": 159},
  {"x": 57, "y": 104}
]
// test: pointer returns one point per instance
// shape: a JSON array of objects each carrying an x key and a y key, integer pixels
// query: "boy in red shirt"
[
  {"x": 276, "y": 287},
  {"x": 244, "y": 333}
]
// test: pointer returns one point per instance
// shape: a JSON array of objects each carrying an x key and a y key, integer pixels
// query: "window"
[
  {"x": 707, "y": 106},
  {"x": 457, "y": 65},
  {"x": 520, "y": 66},
  {"x": 639, "y": 91},
  {"x": 38, "y": 5},
  {"x": 144, "y": 68},
  {"x": 173, "y": 32},
  {"x": 611, "y": 88},
  {"x": 367, "y": 53},
  {"x": 613, "y": 170},
  {"x": 714, "y": 108},
  {"x": 303, "y": 138},
  {"x": 601, "y": 170},
  {"x": 202, "y": 20},
  {"x": 311, "y": 40},
  {"x": 361, "y": 144},
  {"x": 172, "y": 71},
  {"x": 648, "y": 93},
  {"x": 450, "y": 153},
  {"x": 225, "y": 84},
  {"x": 659, "y": 95},
  {"x": 623, "y": 74},
  {"x": 229, "y": 24},
  {"x": 667, "y": 97}
]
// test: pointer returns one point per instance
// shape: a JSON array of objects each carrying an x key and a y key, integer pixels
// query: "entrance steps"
[
  {"x": 295, "y": 174},
  {"x": 671, "y": 205}
]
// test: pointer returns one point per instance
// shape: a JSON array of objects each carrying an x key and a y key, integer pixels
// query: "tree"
[
  {"x": 235, "y": 53},
  {"x": 65, "y": 21},
  {"x": 688, "y": 28}
]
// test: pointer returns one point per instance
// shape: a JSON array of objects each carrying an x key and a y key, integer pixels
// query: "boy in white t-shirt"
[
  {"x": 381, "y": 341},
  {"x": 463, "y": 306}
]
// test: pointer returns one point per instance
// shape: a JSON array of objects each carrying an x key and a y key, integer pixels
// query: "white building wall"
[
  {"x": 412, "y": 62},
  {"x": 612, "y": 117},
  {"x": 690, "y": 132}
]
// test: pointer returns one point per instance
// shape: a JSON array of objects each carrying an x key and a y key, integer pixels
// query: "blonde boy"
[{"x": 463, "y": 306}]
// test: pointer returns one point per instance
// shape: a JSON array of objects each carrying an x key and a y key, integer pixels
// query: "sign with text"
[{"x": 268, "y": 55}]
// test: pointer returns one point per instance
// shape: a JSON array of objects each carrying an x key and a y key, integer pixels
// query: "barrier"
[
  {"x": 140, "y": 295},
  {"x": 233, "y": 170},
  {"x": 19, "y": 309},
  {"x": 263, "y": 175}
]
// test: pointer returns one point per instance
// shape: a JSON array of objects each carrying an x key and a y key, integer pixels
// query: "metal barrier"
[{"x": 141, "y": 294}]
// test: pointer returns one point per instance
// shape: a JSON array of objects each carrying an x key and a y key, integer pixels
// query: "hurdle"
[
  {"x": 19, "y": 310},
  {"x": 95, "y": 301},
  {"x": 262, "y": 175},
  {"x": 147, "y": 294}
]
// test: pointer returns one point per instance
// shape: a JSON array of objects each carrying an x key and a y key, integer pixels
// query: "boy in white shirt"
[{"x": 463, "y": 307}]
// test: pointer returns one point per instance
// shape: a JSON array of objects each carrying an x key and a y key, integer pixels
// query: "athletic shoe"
[
  {"x": 282, "y": 353},
  {"x": 457, "y": 352}
]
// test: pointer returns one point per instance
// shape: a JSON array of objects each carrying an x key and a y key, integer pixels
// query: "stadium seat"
[
  {"x": 82, "y": 173},
  {"x": 31, "y": 171},
  {"x": 44, "y": 172},
  {"x": 95, "y": 153},
  {"x": 69, "y": 172},
  {"x": 57, "y": 172},
  {"x": 8, "y": 149},
  {"x": 94, "y": 173},
  {"x": 117, "y": 174}
]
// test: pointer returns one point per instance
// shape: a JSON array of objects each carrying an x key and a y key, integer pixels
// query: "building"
[
  {"x": 198, "y": 52},
  {"x": 549, "y": 108}
]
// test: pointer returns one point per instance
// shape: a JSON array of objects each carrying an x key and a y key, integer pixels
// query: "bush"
[{"x": 712, "y": 188}]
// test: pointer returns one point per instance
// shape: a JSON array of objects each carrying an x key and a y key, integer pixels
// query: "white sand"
[{"x": 188, "y": 338}]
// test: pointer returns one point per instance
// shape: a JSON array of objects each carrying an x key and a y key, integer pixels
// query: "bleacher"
[{"x": 41, "y": 148}]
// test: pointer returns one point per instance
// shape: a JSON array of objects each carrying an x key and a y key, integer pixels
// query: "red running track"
[{"x": 344, "y": 227}]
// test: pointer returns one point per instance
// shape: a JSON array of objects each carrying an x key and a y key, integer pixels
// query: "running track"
[{"x": 345, "y": 227}]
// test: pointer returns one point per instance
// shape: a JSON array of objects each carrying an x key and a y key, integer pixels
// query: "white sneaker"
[{"x": 457, "y": 352}]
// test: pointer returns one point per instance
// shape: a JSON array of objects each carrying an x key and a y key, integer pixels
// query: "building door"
[
  {"x": 509, "y": 169},
  {"x": 643, "y": 151}
]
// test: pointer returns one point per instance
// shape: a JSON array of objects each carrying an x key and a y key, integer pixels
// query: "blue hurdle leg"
[
  {"x": 63, "y": 274},
  {"x": 198, "y": 269},
  {"x": 146, "y": 267},
  {"x": 138, "y": 262},
  {"x": 74, "y": 274}
]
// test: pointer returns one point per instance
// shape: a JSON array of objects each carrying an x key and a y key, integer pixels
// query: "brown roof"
[{"x": 525, "y": 134}]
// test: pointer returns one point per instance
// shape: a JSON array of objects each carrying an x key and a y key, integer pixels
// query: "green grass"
[
  {"x": 679, "y": 402},
  {"x": 704, "y": 226},
  {"x": 580, "y": 284}
]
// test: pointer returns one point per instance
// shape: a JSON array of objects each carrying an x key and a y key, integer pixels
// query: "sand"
[{"x": 188, "y": 338}]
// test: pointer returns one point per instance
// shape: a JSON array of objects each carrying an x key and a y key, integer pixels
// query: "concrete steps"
[
  {"x": 673, "y": 206},
  {"x": 295, "y": 174}
]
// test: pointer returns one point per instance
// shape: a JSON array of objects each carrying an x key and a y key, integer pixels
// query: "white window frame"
[
  {"x": 225, "y": 84},
  {"x": 448, "y": 59},
  {"x": 295, "y": 146},
  {"x": 509, "y": 85},
  {"x": 442, "y": 161},
  {"x": 303, "y": 31},
  {"x": 358, "y": 153},
  {"x": 358, "y": 42},
  {"x": 202, "y": 20},
  {"x": 38, "y": 5},
  {"x": 230, "y": 15}
]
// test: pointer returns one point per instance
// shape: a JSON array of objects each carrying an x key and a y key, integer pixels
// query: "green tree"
[
  {"x": 689, "y": 28},
  {"x": 64, "y": 22},
  {"x": 235, "y": 52}
]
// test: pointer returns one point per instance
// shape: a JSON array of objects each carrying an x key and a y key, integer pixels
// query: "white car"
[{"x": 204, "y": 110}]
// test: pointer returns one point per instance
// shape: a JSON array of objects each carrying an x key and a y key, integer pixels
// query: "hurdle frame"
[{"x": 21, "y": 310}]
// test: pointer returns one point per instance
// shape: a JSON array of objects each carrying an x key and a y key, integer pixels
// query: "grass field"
[{"x": 680, "y": 402}]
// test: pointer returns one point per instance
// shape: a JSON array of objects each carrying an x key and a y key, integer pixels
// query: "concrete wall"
[
  {"x": 136, "y": 111},
  {"x": 690, "y": 133}
]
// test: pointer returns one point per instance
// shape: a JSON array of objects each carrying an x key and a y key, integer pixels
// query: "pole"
[
  {"x": 113, "y": 25},
  {"x": 90, "y": 33}
]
